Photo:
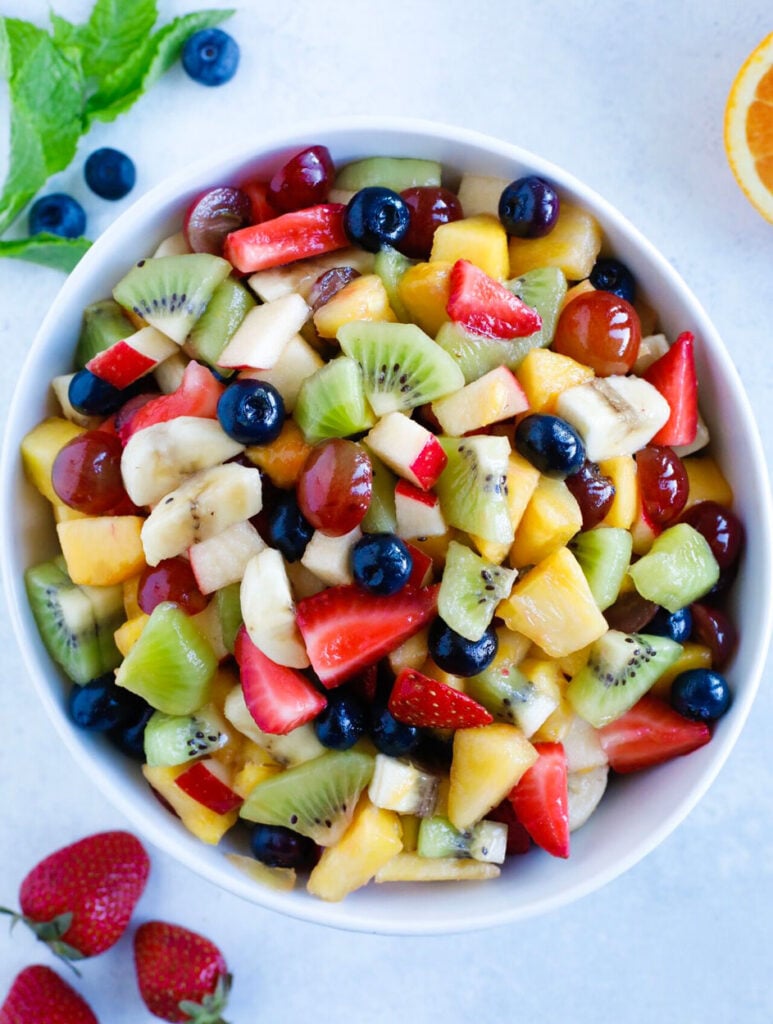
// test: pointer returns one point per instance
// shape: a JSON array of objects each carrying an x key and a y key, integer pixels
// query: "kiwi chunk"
[
  {"x": 316, "y": 798},
  {"x": 471, "y": 589},
  {"x": 604, "y": 555},
  {"x": 397, "y": 173},
  {"x": 229, "y": 611},
  {"x": 172, "y": 292},
  {"x": 486, "y": 841},
  {"x": 390, "y": 265},
  {"x": 621, "y": 668},
  {"x": 402, "y": 366},
  {"x": 509, "y": 695},
  {"x": 331, "y": 402},
  {"x": 381, "y": 516},
  {"x": 544, "y": 289},
  {"x": 171, "y": 665},
  {"x": 175, "y": 739},
  {"x": 225, "y": 311},
  {"x": 104, "y": 323},
  {"x": 473, "y": 486},
  {"x": 76, "y": 632},
  {"x": 678, "y": 569}
]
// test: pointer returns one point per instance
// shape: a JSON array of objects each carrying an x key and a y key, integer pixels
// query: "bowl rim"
[{"x": 85, "y": 754}]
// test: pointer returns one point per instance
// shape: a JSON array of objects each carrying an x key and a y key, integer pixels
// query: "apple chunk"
[
  {"x": 408, "y": 448},
  {"x": 494, "y": 397}
]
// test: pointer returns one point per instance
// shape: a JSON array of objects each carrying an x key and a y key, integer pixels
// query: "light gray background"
[{"x": 630, "y": 98}]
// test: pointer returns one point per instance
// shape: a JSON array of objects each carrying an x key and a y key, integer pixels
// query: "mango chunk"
[
  {"x": 482, "y": 240},
  {"x": 102, "y": 550}
]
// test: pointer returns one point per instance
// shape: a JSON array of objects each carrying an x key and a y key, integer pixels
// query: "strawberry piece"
[
  {"x": 182, "y": 976},
  {"x": 418, "y": 700},
  {"x": 289, "y": 237},
  {"x": 540, "y": 800},
  {"x": 650, "y": 733},
  {"x": 39, "y": 996},
  {"x": 484, "y": 306},
  {"x": 421, "y": 573},
  {"x": 261, "y": 208},
  {"x": 518, "y": 839},
  {"x": 197, "y": 395},
  {"x": 278, "y": 698},
  {"x": 346, "y": 629},
  {"x": 79, "y": 899},
  {"x": 674, "y": 376}
]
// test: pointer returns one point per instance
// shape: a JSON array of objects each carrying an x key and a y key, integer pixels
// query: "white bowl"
[{"x": 639, "y": 811}]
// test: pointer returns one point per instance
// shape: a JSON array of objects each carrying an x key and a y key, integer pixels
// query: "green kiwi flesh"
[
  {"x": 544, "y": 289},
  {"x": 381, "y": 516},
  {"x": 678, "y": 569},
  {"x": 390, "y": 265},
  {"x": 397, "y": 173},
  {"x": 229, "y": 610},
  {"x": 621, "y": 668},
  {"x": 175, "y": 739},
  {"x": 172, "y": 292},
  {"x": 171, "y": 665},
  {"x": 316, "y": 798},
  {"x": 402, "y": 366},
  {"x": 331, "y": 402},
  {"x": 437, "y": 837},
  {"x": 604, "y": 555},
  {"x": 229, "y": 305},
  {"x": 471, "y": 589},
  {"x": 76, "y": 631},
  {"x": 507, "y": 694},
  {"x": 104, "y": 323},
  {"x": 473, "y": 486}
]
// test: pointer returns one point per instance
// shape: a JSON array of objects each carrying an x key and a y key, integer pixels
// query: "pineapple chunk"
[
  {"x": 552, "y": 517},
  {"x": 573, "y": 245},
  {"x": 557, "y": 725},
  {"x": 283, "y": 458},
  {"x": 364, "y": 298},
  {"x": 127, "y": 635},
  {"x": 693, "y": 656},
  {"x": 206, "y": 825},
  {"x": 553, "y": 606},
  {"x": 522, "y": 480},
  {"x": 410, "y": 867},
  {"x": 706, "y": 481},
  {"x": 549, "y": 685},
  {"x": 622, "y": 471},
  {"x": 581, "y": 288},
  {"x": 412, "y": 653},
  {"x": 102, "y": 550},
  {"x": 281, "y": 879},
  {"x": 373, "y": 838},
  {"x": 423, "y": 290},
  {"x": 544, "y": 375},
  {"x": 487, "y": 762},
  {"x": 63, "y": 514},
  {"x": 131, "y": 597},
  {"x": 482, "y": 240},
  {"x": 39, "y": 449}
]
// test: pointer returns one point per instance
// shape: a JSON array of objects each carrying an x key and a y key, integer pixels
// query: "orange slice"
[{"x": 749, "y": 127}]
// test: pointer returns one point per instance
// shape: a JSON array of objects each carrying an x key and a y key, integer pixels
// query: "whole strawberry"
[
  {"x": 79, "y": 899},
  {"x": 39, "y": 996},
  {"x": 181, "y": 975}
]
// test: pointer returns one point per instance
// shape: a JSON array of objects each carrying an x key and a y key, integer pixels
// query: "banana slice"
[
  {"x": 157, "y": 459},
  {"x": 585, "y": 790},
  {"x": 269, "y": 612},
  {"x": 203, "y": 506}
]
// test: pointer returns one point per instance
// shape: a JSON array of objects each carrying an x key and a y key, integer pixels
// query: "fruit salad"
[{"x": 390, "y": 528}]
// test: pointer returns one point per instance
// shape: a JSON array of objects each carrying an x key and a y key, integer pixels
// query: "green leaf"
[
  {"x": 47, "y": 250},
  {"x": 124, "y": 86},
  {"x": 113, "y": 34}
]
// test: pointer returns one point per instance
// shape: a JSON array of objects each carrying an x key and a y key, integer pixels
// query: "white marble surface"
[{"x": 630, "y": 98}]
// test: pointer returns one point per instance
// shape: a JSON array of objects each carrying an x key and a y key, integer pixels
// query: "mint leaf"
[
  {"x": 113, "y": 33},
  {"x": 48, "y": 250},
  {"x": 124, "y": 86}
]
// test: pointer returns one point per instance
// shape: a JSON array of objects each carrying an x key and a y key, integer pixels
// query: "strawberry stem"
[
  {"x": 51, "y": 933},
  {"x": 209, "y": 1009}
]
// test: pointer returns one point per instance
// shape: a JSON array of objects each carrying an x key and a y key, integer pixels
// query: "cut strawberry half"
[
  {"x": 197, "y": 395},
  {"x": 278, "y": 698},
  {"x": 674, "y": 376},
  {"x": 418, "y": 700},
  {"x": 650, "y": 733},
  {"x": 257, "y": 193},
  {"x": 484, "y": 306},
  {"x": 540, "y": 800},
  {"x": 346, "y": 629},
  {"x": 289, "y": 237}
]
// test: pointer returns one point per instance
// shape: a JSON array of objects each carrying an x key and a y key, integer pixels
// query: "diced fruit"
[
  {"x": 269, "y": 611},
  {"x": 132, "y": 357},
  {"x": 473, "y": 486},
  {"x": 417, "y": 512},
  {"x": 330, "y": 558},
  {"x": 650, "y": 733},
  {"x": 408, "y": 448},
  {"x": 39, "y": 449},
  {"x": 417, "y": 700},
  {"x": 622, "y": 472},
  {"x": 693, "y": 655},
  {"x": 540, "y": 800},
  {"x": 485, "y": 842},
  {"x": 585, "y": 790},
  {"x": 280, "y": 879},
  {"x": 487, "y": 763},
  {"x": 224, "y": 314},
  {"x": 604, "y": 555},
  {"x": 706, "y": 481},
  {"x": 104, "y": 322},
  {"x": 494, "y": 397},
  {"x": 300, "y": 276},
  {"x": 102, "y": 550},
  {"x": 551, "y": 518},
  {"x": 176, "y": 739},
  {"x": 260, "y": 339},
  {"x": 582, "y": 746},
  {"x": 206, "y": 824},
  {"x": 675, "y": 378},
  {"x": 295, "y": 747},
  {"x": 480, "y": 193},
  {"x": 397, "y": 173},
  {"x": 424, "y": 290},
  {"x": 331, "y": 402},
  {"x": 679, "y": 568},
  {"x": 221, "y": 560},
  {"x": 398, "y": 785},
  {"x": 297, "y": 361},
  {"x": 573, "y": 245},
  {"x": 410, "y": 867},
  {"x": 470, "y": 591},
  {"x": 480, "y": 240},
  {"x": 334, "y": 487},
  {"x": 283, "y": 458},
  {"x": 364, "y": 298},
  {"x": 204, "y": 782},
  {"x": 127, "y": 634},
  {"x": 292, "y": 236},
  {"x": 599, "y": 330},
  {"x": 544, "y": 374},
  {"x": 197, "y": 395},
  {"x": 483, "y": 306}
]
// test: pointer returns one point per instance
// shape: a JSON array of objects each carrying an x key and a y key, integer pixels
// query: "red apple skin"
[
  {"x": 120, "y": 365},
  {"x": 204, "y": 786},
  {"x": 429, "y": 464}
]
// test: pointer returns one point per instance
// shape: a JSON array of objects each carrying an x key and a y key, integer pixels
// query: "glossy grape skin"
[
  {"x": 210, "y": 56},
  {"x": 550, "y": 444},
  {"x": 305, "y": 180},
  {"x": 92, "y": 396},
  {"x": 700, "y": 694},
  {"x": 342, "y": 722},
  {"x": 722, "y": 529},
  {"x": 335, "y": 486},
  {"x": 601, "y": 331},
  {"x": 100, "y": 705},
  {"x": 663, "y": 483},
  {"x": 458, "y": 655},
  {"x": 677, "y": 626},
  {"x": 593, "y": 491},
  {"x": 57, "y": 214},
  {"x": 611, "y": 275},
  {"x": 381, "y": 563},
  {"x": 529, "y": 207},
  {"x": 212, "y": 216},
  {"x": 171, "y": 580},
  {"x": 280, "y": 847},
  {"x": 715, "y": 629},
  {"x": 110, "y": 173},
  {"x": 288, "y": 530},
  {"x": 393, "y": 738},
  {"x": 430, "y": 207},
  {"x": 329, "y": 284},
  {"x": 376, "y": 217},
  {"x": 251, "y": 411},
  {"x": 86, "y": 473},
  {"x": 630, "y": 613}
]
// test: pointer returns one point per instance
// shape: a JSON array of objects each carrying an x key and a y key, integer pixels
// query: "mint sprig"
[{"x": 61, "y": 81}]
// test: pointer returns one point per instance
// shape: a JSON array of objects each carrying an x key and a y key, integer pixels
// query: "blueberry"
[
  {"x": 674, "y": 625},
  {"x": 288, "y": 528},
  {"x": 551, "y": 444},
  {"x": 210, "y": 56},
  {"x": 381, "y": 563},
  {"x": 610, "y": 275},
  {"x": 92, "y": 396},
  {"x": 129, "y": 737},
  {"x": 528, "y": 207},
  {"x": 456, "y": 654},
  {"x": 251, "y": 411},
  {"x": 110, "y": 173},
  {"x": 390, "y": 736},
  {"x": 701, "y": 694},
  {"x": 280, "y": 847},
  {"x": 341, "y": 723},
  {"x": 376, "y": 217},
  {"x": 57, "y": 214},
  {"x": 100, "y": 705}
]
